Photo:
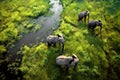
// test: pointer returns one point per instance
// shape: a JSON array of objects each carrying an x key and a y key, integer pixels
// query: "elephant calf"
[
  {"x": 92, "y": 24},
  {"x": 53, "y": 40},
  {"x": 83, "y": 15},
  {"x": 67, "y": 61}
]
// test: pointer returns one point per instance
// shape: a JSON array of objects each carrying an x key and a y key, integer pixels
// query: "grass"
[
  {"x": 16, "y": 16},
  {"x": 99, "y": 55},
  {"x": 94, "y": 64}
]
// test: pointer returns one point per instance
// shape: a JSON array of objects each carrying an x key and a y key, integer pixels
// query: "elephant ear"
[
  {"x": 74, "y": 56},
  {"x": 59, "y": 35},
  {"x": 87, "y": 11},
  {"x": 99, "y": 20},
  {"x": 100, "y": 23}
]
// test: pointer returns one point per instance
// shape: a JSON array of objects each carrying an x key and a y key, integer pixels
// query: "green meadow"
[{"x": 98, "y": 53}]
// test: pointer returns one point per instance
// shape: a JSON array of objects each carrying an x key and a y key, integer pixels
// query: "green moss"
[
  {"x": 37, "y": 27},
  {"x": 29, "y": 26}
]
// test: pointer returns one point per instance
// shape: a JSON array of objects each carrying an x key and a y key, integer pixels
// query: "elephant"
[
  {"x": 67, "y": 61},
  {"x": 83, "y": 15},
  {"x": 53, "y": 40},
  {"x": 92, "y": 24}
]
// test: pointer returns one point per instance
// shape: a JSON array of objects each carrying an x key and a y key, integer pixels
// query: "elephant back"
[
  {"x": 81, "y": 15},
  {"x": 63, "y": 60},
  {"x": 52, "y": 38},
  {"x": 91, "y": 24}
]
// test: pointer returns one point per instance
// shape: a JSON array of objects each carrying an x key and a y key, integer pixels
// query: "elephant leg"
[
  {"x": 67, "y": 69},
  {"x": 79, "y": 18},
  {"x": 54, "y": 44},
  {"x": 85, "y": 19},
  {"x": 75, "y": 66},
  {"x": 49, "y": 44},
  {"x": 91, "y": 28}
]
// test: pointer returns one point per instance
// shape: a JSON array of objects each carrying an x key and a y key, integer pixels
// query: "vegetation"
[
  {"x": 37, "y": 27},
  {"x": 98, "y": 53},
  {"x": 15, "y": 18}
]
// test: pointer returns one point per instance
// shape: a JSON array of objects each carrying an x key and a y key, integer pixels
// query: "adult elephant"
[
  {"x": 83, "y": 15},
  {"x": 67, "y": 61},
  {"x": 92, "y": 24},
  {"x": 53, "y": 40}
]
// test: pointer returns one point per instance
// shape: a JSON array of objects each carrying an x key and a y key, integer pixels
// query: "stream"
[{"x": 47, "y": 25}]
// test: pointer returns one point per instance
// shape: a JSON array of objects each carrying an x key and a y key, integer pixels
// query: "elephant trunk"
[{"x": 100, "y": 28}]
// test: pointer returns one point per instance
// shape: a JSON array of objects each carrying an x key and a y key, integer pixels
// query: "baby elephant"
[
  {"x": 70, "y": 61},
  {"x": 92, "y": 24},
  {"x": 53, "y": 40},
  {"x": 83, "y": 15}
]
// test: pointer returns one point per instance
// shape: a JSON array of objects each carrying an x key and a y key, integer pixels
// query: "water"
[{"x": 46, "y": 23}]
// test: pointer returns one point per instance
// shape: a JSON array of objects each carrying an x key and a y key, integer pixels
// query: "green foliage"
[
  {"x": 33, "y": 62},
  {"x": 29, "y": 26},
  {"x": 99, "y": 55},
  {"x": 15, "y": 17},
  {"x": 39, "y": 63},
  {"x": 8, "y": 33},
  {"x": 85, "y": 43},
  {"x": 37, "y": 27},
  {"x": 2, "y": 50},
  {"x": 66, "y": 2}
]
